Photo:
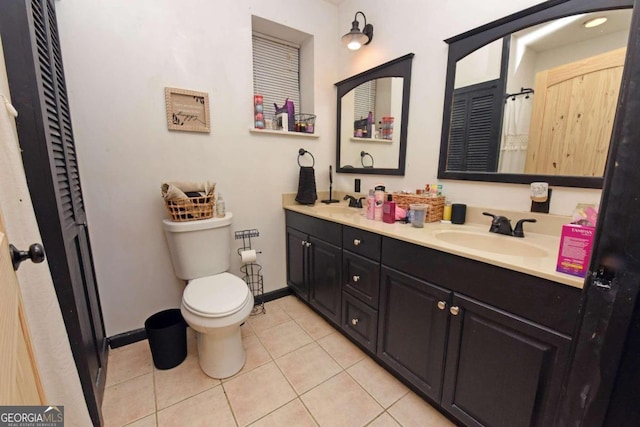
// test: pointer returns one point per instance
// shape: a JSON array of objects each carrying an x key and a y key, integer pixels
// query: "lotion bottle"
[
  {"x": 389, "y": 210},
  {"x": 379, "y": 196},
  {"x": 220, "y": 210},
  {"x": 371, "y": 205}
]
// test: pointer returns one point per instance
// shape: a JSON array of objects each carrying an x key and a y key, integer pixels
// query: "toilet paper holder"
[{"x": 251, "y": 270}]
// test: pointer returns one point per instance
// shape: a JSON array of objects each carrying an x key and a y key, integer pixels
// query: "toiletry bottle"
[
  {"x": 379, "y": 196},
  {"x": 371, "y": 205},
  {"x": 220, "y": 211},
  {"x": 389, "y": 210},
  {"x": 370, "y": 125}
]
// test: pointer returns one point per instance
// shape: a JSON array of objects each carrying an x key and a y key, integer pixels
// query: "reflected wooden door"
[
  {"x": 19, "y": 379},
  {"x": 573, "y": 112}
]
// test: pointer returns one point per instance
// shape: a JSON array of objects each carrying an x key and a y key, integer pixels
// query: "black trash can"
[{"x": 167, "y": 334}]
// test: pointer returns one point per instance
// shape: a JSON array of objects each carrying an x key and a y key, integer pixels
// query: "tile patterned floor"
[{"x": 299, "y": 372}]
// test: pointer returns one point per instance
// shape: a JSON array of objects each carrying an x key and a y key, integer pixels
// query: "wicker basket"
[
  {"x": 191, "y": 209},
  {"x": 436, "y": 204}
]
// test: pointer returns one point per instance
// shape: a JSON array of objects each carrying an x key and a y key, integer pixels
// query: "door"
[
  {"x": 296, "y": 261},
  {"x": 573, "y": 111},
  {"x": 19, "y": 379},
  {"x": 36, "y": 79},
  {"x": 325, "y": 272},
  {"x": 412, "y": 329},
  {"x": 501, "y": 370}
]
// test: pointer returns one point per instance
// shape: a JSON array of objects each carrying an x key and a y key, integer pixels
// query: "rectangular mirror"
[{"x": 532, "y": 97}]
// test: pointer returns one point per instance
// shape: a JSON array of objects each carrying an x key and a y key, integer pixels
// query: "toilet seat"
[{"x": 216, "y": 296}]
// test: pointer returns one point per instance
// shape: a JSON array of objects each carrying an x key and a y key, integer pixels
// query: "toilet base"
[{"x": 221, "y": 353}]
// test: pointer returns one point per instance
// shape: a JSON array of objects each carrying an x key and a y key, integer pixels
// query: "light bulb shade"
[{"x": 354, "y": 40}]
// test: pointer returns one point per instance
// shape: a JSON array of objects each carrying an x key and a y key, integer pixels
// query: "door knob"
[{"x": 35, "y": 254}]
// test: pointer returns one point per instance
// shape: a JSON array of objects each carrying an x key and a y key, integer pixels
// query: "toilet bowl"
[
  {"x": 215, "y": 307},
  {"x": 214, "y": 303}
]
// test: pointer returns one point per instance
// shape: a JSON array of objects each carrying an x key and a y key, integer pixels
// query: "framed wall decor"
[{"x": 187, "y": 110}]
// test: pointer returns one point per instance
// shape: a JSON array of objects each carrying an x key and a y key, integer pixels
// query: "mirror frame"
[
  {"x": 465, "y": 43},
  {"x": 399, "y": 67}
]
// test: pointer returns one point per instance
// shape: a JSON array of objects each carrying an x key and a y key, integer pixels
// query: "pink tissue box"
[{"x": 576, "y": 243}]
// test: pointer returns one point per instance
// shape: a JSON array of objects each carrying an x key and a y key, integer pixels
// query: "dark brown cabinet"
[
  {"x": 501, "y": 370},
  {"x": 490, "y": 346},
  {"x": 314, "y": 263},
  {"x": 412, "y": 330}
]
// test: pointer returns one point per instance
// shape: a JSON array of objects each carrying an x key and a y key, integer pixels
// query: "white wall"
[{"x": 119, "y": 55}]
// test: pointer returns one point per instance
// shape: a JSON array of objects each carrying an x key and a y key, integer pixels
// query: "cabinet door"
[
  {"x": 412, "y": 329},
  {"x": 501, "y": 370},
  {"x": 361, "y": 277},
  {"x": 325, "y": 261},
  {"x": 296, "y": 260}
]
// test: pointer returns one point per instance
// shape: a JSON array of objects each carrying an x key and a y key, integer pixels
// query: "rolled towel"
[{"x": 169, "y": 192}]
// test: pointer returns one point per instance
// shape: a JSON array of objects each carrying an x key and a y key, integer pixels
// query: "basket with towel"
[{"x": 188, "y": 201}]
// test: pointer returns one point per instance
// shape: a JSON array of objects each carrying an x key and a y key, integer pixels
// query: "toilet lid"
[{"x": 216, "y": 296}]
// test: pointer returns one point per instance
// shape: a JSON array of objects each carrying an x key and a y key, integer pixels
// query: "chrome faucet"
[
  {"x": 353, "y": 202},
  {"x": 502, "y": 225}
]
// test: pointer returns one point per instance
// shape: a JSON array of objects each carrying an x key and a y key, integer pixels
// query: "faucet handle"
[
  {"x": 488, "y": 214},
  {"x": 518, "y": 231}
]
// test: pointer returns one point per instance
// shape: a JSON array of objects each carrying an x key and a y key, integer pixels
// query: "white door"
[{"x": 19, "y": 379}]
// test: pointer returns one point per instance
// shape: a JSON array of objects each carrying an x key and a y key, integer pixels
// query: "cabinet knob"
[
  {"x": 455, "y": 310},
  {"x": 354, "y": 322},
  {"x": 356, "y": 242},
  {"x": 442, "y": 305},
  {"x": 303, "y": 243},
  {"x": 356, "y": 278},
  {"x": 307, "y": 244}
]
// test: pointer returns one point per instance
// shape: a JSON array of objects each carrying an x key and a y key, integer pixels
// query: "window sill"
[
  {"x": 279, "y": 132},
  {"x": 356, "y": 139}
]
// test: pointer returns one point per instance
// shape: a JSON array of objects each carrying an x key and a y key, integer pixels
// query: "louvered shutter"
[
  {"x": 475, "y": 128},
  {"x": 276, "y": 73},
  {"x": 35, "y": 72}
]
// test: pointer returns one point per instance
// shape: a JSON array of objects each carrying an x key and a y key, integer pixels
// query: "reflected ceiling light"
[
  {"x": 595, "y": 22},
  {"x": 355, "y": 38}
]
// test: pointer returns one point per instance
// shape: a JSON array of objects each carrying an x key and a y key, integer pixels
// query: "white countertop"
[{"x": 435, "y": 234}]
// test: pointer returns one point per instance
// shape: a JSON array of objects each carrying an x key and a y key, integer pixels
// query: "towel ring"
[
  {"x": 302, "y": 152},
  {"x": 362, "y": 156}
]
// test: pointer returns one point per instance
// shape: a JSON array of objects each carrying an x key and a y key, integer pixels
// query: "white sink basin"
[
  {"x": 335, "y": 209},
  {"x": 491, "y": 242}
]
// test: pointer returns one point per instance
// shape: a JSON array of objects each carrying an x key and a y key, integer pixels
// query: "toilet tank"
[{"x": 199, "y": 248}]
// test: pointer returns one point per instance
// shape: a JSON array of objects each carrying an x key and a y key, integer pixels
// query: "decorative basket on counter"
[
  {"x": 436, "y": 204},
  {"x": 190, "y": 209}
]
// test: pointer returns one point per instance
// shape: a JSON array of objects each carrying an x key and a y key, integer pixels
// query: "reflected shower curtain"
[{"x": 515, "y": 134}]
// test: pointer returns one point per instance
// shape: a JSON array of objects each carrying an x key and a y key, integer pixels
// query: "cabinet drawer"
[
  {"x": 361, "y": 278},
  {"x": 359, "y": 321},
  {"x": 328, "y": 231},
  {"x": 362, "y": 242}
]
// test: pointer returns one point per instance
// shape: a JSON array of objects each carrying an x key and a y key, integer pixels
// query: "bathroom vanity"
[{"x": 485, "y": 336}]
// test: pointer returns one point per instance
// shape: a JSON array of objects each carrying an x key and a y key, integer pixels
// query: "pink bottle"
[
  {"x": 389, "y": 210},
  {"x": 371, "y": 205}
]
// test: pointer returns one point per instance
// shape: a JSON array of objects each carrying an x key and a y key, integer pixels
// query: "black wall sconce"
[{"x": 355, "y": 38}]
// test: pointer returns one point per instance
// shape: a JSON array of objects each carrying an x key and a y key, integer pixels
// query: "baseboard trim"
[
  {"x": 278, "y": 293},
  {"x": 136, "y": 335},
  {"x": 126, "y": 338}
]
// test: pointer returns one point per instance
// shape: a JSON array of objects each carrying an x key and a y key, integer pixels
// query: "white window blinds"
[
  {"x": 276, "y": 73},
  {"x": 365, "y": 100}
]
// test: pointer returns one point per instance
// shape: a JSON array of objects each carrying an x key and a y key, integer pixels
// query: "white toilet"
[{"x": 214, "y": 303}]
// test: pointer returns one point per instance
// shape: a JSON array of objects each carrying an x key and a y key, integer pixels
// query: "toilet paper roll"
[{"x": 248, "y": 256}]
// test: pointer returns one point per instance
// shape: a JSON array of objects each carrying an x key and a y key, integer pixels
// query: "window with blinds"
[
  {"x": 365, "y": 100},
  {"x": 276, "y": 72}
]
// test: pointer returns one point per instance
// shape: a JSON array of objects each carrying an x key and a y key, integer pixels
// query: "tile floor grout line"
[
  {"x": 226, "y": 396},
  {"x": 372, "y": 396}
]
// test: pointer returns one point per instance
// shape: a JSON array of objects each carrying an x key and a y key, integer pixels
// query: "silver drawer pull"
[
  {"x": 354, "y": 322},
  {"x": 356, "y": 242},
  {"x": 303, "y": 243},
  {"x": 307, "y": 244},
  {"x": 455, "y": 310},
  {"x": 356, "y": 278},
  {"x": 442, "y": 305}
]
